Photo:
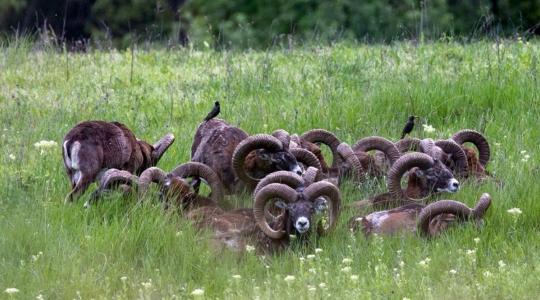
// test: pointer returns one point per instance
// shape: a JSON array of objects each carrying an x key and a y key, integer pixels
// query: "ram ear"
[
  {"x": 320, "y": 205},
  {"x": 264, "y": 155},
  {"x": 281, "y": 204}
]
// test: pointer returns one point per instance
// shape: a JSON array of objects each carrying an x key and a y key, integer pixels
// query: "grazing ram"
[
  {"x": 430, "y": 220},
  {"x": 93, "y": 146}
]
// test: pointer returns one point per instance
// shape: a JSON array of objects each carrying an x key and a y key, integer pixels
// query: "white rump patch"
[
  {"x": 75, "y": 148},
  {"x": 377, "y": 218}
]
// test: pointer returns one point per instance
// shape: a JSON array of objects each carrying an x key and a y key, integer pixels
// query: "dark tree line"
[{"x": 255, "y": 23}]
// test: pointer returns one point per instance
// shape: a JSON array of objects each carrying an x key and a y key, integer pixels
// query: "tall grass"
[{"x": 119, "y": 250}]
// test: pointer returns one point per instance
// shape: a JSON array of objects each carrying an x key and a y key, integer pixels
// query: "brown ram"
[
  {"x": 427, "y": 175},
  {"x": 93, "y": 146},
  {"x": 241, "y": 160},
  {"x": 429, "y": 220}
]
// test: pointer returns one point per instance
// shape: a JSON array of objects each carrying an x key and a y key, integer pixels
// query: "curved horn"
[
  {"x": 378, "y": 143},
  {"x": 196, "y": 169},
  {"x": 346, "y": 152},
  {"x": 428, "y": 146},
  {"x": 249, "y": 144},
  {"x": 273, "y": 190},
  {"x": 326, "y": 137},
  {"x": 330, "y": 191},
  {"x": 306, "y": 157},
  {"x": 427, "y": 214},
  {"x": 408, "y": 144},
  {"x": 161, "y": 146},
  {"x": 402, "y": 165},
  {"x": 311, "y": 175},
  {"x": 458, "y": 155},
  {"x": 475, "y": 137},
  {"x": 115, "y": 176},
  {"x": 284, "y": 177},
  {"x": 482, "y": 206},
  {"x": 283, "y": 136},
  {"x": 153, "y": 174}
]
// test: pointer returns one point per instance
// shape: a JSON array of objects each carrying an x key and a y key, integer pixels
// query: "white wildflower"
[
  {"x": 354, "y": 277},
  {"x": 311, "y": 288},
  {"x": 497, "y": 144},
  {"x": 311, "y": 270},
  {"x": 40, "y": 297},
  {"x": 197, "y": 292},
  {"x": 514, "y": 211},
  {"x": 289, "y": 278},
  {"x": 401, "y": 264},
  {"x": 428, "y": 128},
  {"x": 206, "y": 44},
  {"x": 346, "y": 269},
  {"x": 123, "y": 278},
  {"x": 301, "y": 258},
  {"x": 477, "y": 240},
  {"x": 405, "y": 298},
  {"x": 45, "y": 145},
  {"x": 11, "y": 291},
  {"x": 501, "y": 264},
  {"x": 453, "y": 272},
  {"x": 318, "y": 250},
  {"x": 147, "y": 284},
  {"x": 310, "y": 256},
  {"x": 425, "y": 263},
  {"x": 346, "y": 261},
  {"x": 523, "y": 152},
  {"x": 12, "y": 156},
  {"x": 250, "y": 248},
  {"x": 487, "y": 274},
  {"x": 322, "y": 285},
  {"x": 236, "y": 276},
  {"x": 471, "y": 252}
]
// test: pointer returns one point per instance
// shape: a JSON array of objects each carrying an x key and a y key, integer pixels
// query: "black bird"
[
  {"x": 408, "y": 126},
  {"x": 213, "y": 113}
]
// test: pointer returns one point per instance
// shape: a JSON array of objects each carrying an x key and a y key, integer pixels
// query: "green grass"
[{"x": 119, "y": 250}]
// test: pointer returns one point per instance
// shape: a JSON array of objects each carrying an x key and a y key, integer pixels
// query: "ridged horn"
[
  {"x": 115, "y": 176},
  {"x": 306, "y": 157},
  {"x": 402, "y": 165},
  {"x": 249, "y": 144},
  {"x": 311, "y": 175},
  {"x": 161, "y": 146},
  {"x": 428, "y": 146},
  {"x": 460, "y": 210},
  {"x": 271, "y": 191},
  {"x": 284, "y": 177},
  {"x": 482, "y": 206},
  {"x": 347, "y": 154},
  {"x": 153, "y": 174},
  {"x": 331, "y": 192},
  {"x": 283, "y": 136},
  {"x": 196, "y": 169},
  {"x": 326, "y": 137},
  {"x": 475, "y": 137},
  {"x": 378, "y": 143},
  {"x": 458, "y": 155},
  {"x": 408, "y": 144}
]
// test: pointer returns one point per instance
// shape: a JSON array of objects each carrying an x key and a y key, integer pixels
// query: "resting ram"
[
  {"x": 472, "y": 165},
  {"x": 344, "y": 164},
  {"x": 427, "y": 176},
  {"x": 429, "y": 220},
  {"x": 240, "y": 160},
  {"x": 94, "y": 146}
]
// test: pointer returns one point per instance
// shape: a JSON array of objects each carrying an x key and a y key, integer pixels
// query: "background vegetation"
[
  {"x": 257, "y": 24},
  {"x": 119, "y": 250}
]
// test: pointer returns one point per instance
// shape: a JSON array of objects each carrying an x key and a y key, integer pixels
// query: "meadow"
[{"x": 118, "y": 250}]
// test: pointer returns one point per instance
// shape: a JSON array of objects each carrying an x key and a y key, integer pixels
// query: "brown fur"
[
  {"x": 213, "y": 145},
  {"x": 398, "y": 220},
  {"x": 103, "y": 145}
]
